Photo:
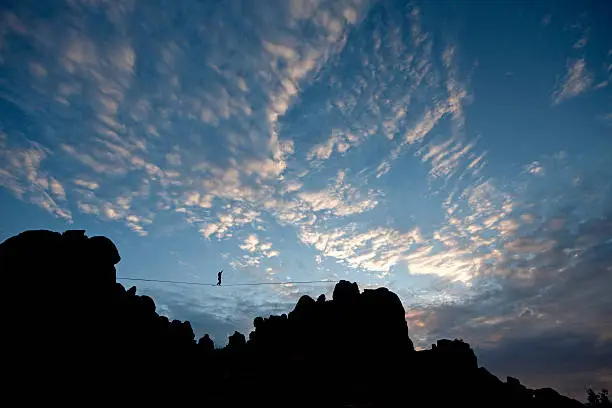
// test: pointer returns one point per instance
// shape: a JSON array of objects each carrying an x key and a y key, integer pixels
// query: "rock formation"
[{"x": 352, "y": 350}]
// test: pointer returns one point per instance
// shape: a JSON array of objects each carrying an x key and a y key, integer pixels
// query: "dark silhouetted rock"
[
  {"x": 105, "y": 249},
  {"x": 345, "y": 291},
  {"x": 513, "y": 382},
  {"x": 304, "y": 304},
  {"x": 206, "y": 344},
  {"x": 236, "y": 341},
  {"x": 353, "y": 350}
]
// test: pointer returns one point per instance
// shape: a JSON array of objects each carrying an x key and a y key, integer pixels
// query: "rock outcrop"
[{"x": 103, "y": 341}]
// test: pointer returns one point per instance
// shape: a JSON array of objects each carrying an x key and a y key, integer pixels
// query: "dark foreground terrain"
[{"x": 75, "y": 335}]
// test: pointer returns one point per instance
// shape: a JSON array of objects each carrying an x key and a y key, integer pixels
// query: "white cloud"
[
  {"x": 271, "y": 254},
  {"x": 195, "y": 199},
  {"x": 111, "y": 212},
  {"x": 341, "y": 141},
  {"x": 88, "y": 208},
  {"x": 236, "y": 217},
  {"x": 454, "y": 264},
  {"x": 57, "y": 189},
  {"x": 445, "y": 158},
  {"x": 246, "y": 261},
  {"x": 425, "y": 125},
  {"x": 257, "y": 249},
  {"x": 536, "y": 168},
  {"x": 383, "y": 168},
  {"x": 291, "y": 186},
  {"x": 322, "y": 151},
  {"x": 98, "y": 74},
  {"x": 576, "y": 81},
  {"x": 340, "y": 199},
  {"x": 21, "y": 173},
  {"x": 91, "y": 185},
  {"x": 250, "y": 243},
  {"x": 94, "y": 164},
  {"x": 209, "y": 230},
  {"x": 376, "y": 250}
]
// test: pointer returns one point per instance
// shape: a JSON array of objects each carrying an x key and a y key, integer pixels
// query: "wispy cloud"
[
  {"x": 235, "y": 217},
  {"x": 90, "y": 185},
  {"x": 376, "y": 250},
  {"x": 340, "y": 199},
  {"x": 576, "y": 81},
  {"x": 524, "y": 306},
  {"x": 581, "y": 43},
  {"x": 21, "y": 173},
  {"x": 301, "y": 142}
]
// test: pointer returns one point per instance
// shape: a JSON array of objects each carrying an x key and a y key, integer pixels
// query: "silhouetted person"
[{"x": 219, "y": 277}]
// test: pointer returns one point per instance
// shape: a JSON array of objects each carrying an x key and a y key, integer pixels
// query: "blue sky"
[{"x": 457, "y": 153}]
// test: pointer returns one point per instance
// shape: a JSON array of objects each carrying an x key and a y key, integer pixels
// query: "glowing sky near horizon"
[{"x": 457, "y": 153}]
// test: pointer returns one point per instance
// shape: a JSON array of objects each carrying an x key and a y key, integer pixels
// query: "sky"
[{"x": 457, "y": 153}]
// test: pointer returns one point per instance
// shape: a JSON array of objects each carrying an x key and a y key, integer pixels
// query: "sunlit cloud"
[
  {"x": 340, "y": 199},
  {"x": 22, "y": 175},
  {"x": 376, "y": 250},
  {"x": 576, "y": 81},
  {"x": 318, "y": 140},
  {"x": 236, "y": 217},
  {"x": 91, "y": 185}
]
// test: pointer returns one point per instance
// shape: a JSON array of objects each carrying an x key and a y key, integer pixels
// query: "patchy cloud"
[
  {"x": 576, "y": 81},
  {"x": 22, "y": 175},
  {"x": 321, "y": 140}
]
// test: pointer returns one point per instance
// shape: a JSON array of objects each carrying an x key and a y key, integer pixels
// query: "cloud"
[
  {"x": 376, "y": 250},
  {"x": 340, "y": 199},
  {"x": 581, "y": 43},
  {"x": 258, "y": 251},
  {"x": 576, "y": 81},
  {"x": 342, "y": 142},
  {"x": 22, "y": 174},
  {"x": 241, "y": 183},
  {"x": 520, "y": 326},
  {"x": 57, "y": 189},
  {"x": 91, "y": 185},
  {"x": 273, "y": 146},
  {"x": 236, "y": 216},
  {"x": 382, "y": 169},
  {"x": 429, "y": 119},
  {"x": 446, "y": 158},
  {"x": 250, "y": 243},
  {"x": 86, "y": 208}
]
